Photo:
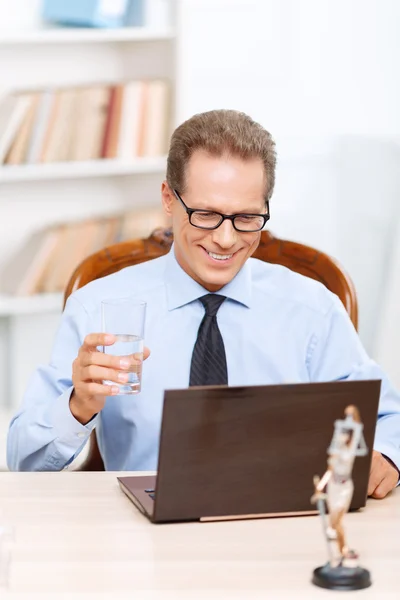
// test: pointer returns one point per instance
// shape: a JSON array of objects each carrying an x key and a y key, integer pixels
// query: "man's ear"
[{"x": 166, "y": 198}]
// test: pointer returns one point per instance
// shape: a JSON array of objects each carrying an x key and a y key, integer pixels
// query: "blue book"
[
  {"x": 135, "y": 13},
  {"x": 94, "y": 13}
]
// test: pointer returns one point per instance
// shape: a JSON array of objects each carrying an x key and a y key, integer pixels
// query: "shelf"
[
  {"x": 80, "y": 170},
  {"x": 29, "y": 305},
  {"x": 58, "y": 35}
]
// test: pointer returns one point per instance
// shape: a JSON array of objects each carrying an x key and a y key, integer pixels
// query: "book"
[
  {"x": 79, "y": 246},
  {"x": 106, "y": 232},
  {"x": 100, "y": 108},
  {"x": 21, "y": 274},
  {"x": 113, "y": 123},
  {"x": 141, "y": 142},
  {"x": 46, "y": 148},
  {"x": 86, "y": 13},
  {"x": 90, "y": 123},
  {"x": 46, "y": 283},
  {"x": 141, "y": 222},
  {"x": 132, "y": 114},
  {"x": 19, "y": 147},
  {"x": 124, "y": 121},
  {"x": 155, "y": 138},
  {"x": 112, "y": 228},
  {"x": 38, "y": 133},
  {"x": 14, "y": 270},
  {"x": 57, "y": 147},
  {"x": 13, "y": 109},
  {"x": 135, "y": 13},
  {"x": 31, "y": 281},
  {"x": 47, "y": 259}
]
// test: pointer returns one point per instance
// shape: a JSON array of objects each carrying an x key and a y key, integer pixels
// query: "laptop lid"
[{"x": 227, "y": 451}]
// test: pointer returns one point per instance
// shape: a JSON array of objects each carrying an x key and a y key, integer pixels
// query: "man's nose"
[{"x": 225, "y": 235}]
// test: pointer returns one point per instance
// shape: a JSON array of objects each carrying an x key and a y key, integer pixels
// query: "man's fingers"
[
  {"x": 96, "y": 373},
  {"x": 381, "y": 490},
  {"x": 139, "y": 357},
  {"x": 377, "y": 473},
  {"x": 105, "y": 360},
  {"x": 93, "y": 340},
  {"x": 91, "y": 361},
  {"x": 385, "y": 486},
  {"x": 98, "y": 389},
  {"x": 375, "y": 479},
  {"x": 91, "y": 356},
  {"x": 383, "y": 476}
]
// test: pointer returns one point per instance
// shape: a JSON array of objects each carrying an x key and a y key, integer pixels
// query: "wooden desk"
[{"x": 78, "y": 536}]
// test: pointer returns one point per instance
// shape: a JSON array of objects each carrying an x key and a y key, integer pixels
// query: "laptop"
[{"x": 248, "y": 452}]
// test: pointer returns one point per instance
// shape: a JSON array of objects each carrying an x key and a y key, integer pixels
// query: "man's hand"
[
  {"x": 91, "y": 367},
  {"x": 383, "y": 476}
]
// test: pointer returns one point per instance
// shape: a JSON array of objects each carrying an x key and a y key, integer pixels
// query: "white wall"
[
  {"x": 308, "y": 67},
  {"x": 322, "y": 76},
  {"x": 388, "y": 337}
]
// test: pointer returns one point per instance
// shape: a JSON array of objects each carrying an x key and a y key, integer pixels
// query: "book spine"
[
  {"x": 86, "y": 13},
  {"x": 111, "y": 143},
  {"x": 39, "y": 127}
]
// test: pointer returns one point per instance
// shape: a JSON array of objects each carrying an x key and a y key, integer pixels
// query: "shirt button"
[{"x": 81, "y": 434}]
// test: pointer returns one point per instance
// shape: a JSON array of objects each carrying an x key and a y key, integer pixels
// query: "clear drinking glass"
[{"x": 125, "y": 318}]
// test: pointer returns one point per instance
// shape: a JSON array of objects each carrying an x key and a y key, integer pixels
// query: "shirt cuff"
[{"x": 70, "y": 434}]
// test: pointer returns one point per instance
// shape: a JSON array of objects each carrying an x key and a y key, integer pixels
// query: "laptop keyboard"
[{"x": 151, "y": 493}]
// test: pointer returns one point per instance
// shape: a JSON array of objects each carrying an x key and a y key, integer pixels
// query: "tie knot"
[{"x": 211, "y": 303}]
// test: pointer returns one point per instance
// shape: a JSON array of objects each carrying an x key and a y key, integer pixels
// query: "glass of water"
[{"x": 125, "y": 318}]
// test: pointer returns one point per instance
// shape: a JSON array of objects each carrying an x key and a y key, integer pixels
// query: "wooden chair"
[{"x": 300, "y": 258}]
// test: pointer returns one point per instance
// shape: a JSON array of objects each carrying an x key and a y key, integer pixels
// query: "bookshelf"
[
  {"x": 55, "y": 36},
  {"x": 80, "y": 170},
  {"x": 86, "y": 57},
  {"x": 30, "y": 305},
  {"x": 36, "y": 196}
]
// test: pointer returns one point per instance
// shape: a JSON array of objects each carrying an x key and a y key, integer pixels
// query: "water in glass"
[{"x": 128, "y": 345}]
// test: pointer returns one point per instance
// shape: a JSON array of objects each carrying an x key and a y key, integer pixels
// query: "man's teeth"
[{"x": 220, "y": 256}]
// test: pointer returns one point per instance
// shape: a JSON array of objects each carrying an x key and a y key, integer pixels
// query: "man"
[{"x": 264, "y": 325}]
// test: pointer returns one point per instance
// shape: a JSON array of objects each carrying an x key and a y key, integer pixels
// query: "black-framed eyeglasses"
[{"x": 207, "y": 219}]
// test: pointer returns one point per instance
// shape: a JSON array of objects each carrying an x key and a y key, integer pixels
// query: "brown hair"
[{"x": 220, "y": 132}]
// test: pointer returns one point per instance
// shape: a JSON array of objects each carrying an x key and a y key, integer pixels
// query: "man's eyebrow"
[
  {"x": 246, "y": 211},
  {"x": 242, "y": 212},
  {"x": 253, "y": 212}
]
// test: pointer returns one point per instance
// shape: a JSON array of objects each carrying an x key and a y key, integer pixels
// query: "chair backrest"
[{"x": 298, "y": 257}]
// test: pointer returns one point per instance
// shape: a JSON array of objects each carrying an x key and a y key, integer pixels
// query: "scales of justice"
[{"x": 332, "y": 495}]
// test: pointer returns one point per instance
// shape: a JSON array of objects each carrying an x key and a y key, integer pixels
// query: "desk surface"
[{"x": 76, "y": 535}]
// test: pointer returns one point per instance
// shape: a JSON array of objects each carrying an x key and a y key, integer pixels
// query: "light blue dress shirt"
[{"x": 277, "y": 327}]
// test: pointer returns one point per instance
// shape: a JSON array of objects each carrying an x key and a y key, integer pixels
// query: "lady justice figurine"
[{"x": 342, "y": 572}]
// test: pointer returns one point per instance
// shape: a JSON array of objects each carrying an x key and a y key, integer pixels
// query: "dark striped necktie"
[{"x": 208, "y": 365}]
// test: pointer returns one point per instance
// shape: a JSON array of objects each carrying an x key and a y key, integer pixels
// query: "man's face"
[{"x": 227, "y": 185}]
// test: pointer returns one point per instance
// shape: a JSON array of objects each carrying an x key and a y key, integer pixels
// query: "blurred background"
[{"x": 90, "y": 91}]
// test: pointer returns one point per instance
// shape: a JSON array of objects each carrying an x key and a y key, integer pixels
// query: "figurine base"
[{"x": 341, "y": 578}]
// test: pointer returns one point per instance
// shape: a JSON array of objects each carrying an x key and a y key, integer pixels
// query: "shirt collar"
[{"x": 182, "y": 289}]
